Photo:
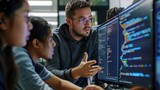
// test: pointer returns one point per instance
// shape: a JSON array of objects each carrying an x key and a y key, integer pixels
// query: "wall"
[
  {"x": 114, "y": 3},
  {"x": 120, "y": 3}
]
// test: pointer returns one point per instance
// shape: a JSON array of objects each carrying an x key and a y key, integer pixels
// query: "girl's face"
[
  {"x": 16, "y": 30},
  {"x": 47, "y": 49}
]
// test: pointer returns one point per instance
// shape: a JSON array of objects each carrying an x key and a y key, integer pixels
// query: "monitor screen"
[
  {"x": 108, "y": 50},
  {"x": 135, "y": 36},
  {"x": 157, "y": 44}
]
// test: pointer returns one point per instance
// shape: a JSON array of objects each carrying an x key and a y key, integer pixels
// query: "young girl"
[
  {"x": 32, "y": 75},
  {"x": 14, "y": 31}
]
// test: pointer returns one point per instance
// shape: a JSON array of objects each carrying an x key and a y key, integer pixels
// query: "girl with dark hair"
[
  {"x": 113, "y": 12},
  {"x": 14, "y": 31},
  {"x": 34, "y": 76}
]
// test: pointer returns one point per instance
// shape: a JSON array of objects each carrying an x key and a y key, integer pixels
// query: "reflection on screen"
[
  {"x": 108, "y": 51},
  {"x": 136, "y": 44}
]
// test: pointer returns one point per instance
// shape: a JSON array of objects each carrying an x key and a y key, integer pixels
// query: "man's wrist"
[{"x": 75, "y": 73}]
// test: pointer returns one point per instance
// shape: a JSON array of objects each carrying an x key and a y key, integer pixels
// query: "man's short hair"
[
  {"x": 113, "y": 12},
  {"x": 72, "y": 5}
]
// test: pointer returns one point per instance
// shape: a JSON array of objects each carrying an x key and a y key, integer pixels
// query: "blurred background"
[{"x": 54, "y": 10}]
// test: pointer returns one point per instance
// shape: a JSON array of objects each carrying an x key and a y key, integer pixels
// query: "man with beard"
[{"x": 76, "y": 45}]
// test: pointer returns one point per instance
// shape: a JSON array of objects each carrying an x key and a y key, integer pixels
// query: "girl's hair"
[
  {"x": 8, "y": 7},
  {"x": 113, "y": 12},
  {"x": 8, "y": 68},
  {"x": 41, "y": 29}
]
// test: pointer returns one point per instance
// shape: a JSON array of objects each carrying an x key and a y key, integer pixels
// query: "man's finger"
[{"x": 85, "y": 57}]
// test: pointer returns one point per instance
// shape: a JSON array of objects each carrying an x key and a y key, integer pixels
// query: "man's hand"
[{"x": 85, "y": 68}]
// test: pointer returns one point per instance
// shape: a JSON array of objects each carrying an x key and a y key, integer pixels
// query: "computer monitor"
[
  {"x": 125, "y": 47},
  {"x": 136, "y": 49},
  {"x": 157, "y": 44},
  {"x": 108, "y": 50}
]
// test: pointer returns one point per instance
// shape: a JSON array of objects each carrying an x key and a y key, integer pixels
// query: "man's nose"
[{"x": 88, "y": 22}]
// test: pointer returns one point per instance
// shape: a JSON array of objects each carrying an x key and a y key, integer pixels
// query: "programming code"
[
  {"x": 136, "y": 44},
  {"x": 108, "y": 50}
]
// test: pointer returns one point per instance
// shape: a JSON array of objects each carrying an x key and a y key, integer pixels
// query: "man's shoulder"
[
  {"x": 93, "y": 34},
  {"x": 94, "y": 31},
  {"x": 59, "y": 35}
]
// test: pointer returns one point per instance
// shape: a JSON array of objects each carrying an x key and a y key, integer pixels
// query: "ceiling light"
[
  {"x": 52, "y": 23},
  {"x": 43, "y": 14},
  {"x": 40, "y": 3}
]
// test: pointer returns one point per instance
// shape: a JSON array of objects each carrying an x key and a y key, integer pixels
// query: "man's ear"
[
  {"x": 68, "y": 21},
  {"x": 3, "y": 24},
  {"x": 36, "y": 43}
]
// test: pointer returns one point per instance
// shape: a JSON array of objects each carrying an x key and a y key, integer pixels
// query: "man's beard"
[{"x": 79, "y": 34}]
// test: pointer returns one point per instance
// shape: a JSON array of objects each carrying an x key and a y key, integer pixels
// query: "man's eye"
[{"x": 82, "y": 19}]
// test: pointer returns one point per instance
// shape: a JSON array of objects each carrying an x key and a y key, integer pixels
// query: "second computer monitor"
[
  {"x": 157, "y": 44},
  {"x": 108, "y": 45}
]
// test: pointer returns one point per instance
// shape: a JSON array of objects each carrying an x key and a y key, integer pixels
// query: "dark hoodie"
[{"x": 69, "y": 53}]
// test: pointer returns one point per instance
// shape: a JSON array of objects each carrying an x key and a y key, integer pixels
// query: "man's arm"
[{"x": 84, "y": 69}]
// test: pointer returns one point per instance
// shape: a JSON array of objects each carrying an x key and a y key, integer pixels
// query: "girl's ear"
[
  {"x": 35, "y": 43},
  {"x": 3, "y": 23},
  {"x": 1, "y": 20}
]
